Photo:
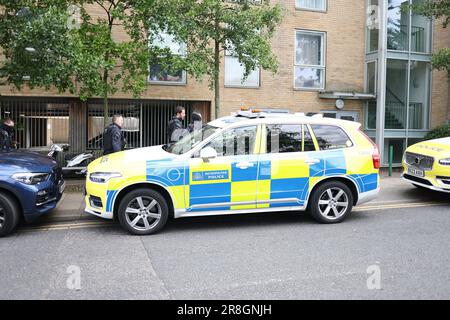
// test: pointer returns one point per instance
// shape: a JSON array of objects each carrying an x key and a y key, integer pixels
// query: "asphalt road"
[{"x": 402, "y": 239}]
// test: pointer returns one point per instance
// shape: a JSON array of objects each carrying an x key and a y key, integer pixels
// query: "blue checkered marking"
[
  {"x": 210, "y": 193},
  {"x": 366, "y": 182},
  {"x": 249, "y": 174},
  {"x": 167, "y": 173},
  {"x": 335, "y": 163},
  {"x": 296, "y": 188}
]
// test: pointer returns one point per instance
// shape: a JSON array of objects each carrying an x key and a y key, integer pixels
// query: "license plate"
[
  {"x": 416, "y": 172},
  {"x": 62, "y": 187}
]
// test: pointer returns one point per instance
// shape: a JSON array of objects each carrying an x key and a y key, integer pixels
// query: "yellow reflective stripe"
[
  {"x": 260, "y": 143},
  {"x": 313, "y": 136}
]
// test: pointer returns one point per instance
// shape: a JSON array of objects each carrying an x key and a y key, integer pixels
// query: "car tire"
[
  {"x": 143, "y": 212},
  {"x": 331, "y": 202},
  {"x": 9, "y": 214}
]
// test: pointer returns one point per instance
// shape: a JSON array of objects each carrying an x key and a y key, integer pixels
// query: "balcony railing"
[{"x": 398, "y": 38}]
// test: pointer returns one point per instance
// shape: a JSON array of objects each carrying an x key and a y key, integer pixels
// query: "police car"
[
  {"x": 427, "y": 164},
  {"x": 248, "y": 162}
]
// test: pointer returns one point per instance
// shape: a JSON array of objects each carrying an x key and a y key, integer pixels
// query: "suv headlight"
[
  {"x": 445, "y": 162},
  {"x": 30, "y": 178},
  {"x": 102, "y": 177}
]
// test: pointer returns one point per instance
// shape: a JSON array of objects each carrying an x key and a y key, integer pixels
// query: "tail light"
[{"x": 375, "y": 153}]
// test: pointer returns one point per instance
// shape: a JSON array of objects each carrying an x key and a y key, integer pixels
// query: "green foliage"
[
  {"x": 35, "y": 45},
  {"x": 434, "y": 9},
  {"x": 441, "y": 60},
  {"x": 212, "y": 26},
  {"x": 439, "y": 132},
  {"x": 42, "y": 49},
  {"x": 437, "y": 9}
]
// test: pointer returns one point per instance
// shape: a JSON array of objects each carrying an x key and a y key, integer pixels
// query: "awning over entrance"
[{"x": 346, "y": 95}]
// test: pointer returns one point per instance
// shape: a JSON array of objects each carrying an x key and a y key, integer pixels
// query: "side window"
[
  {"x": 284, "y": 138},
  {"x": 331, "y": 137},
  {"x": 235, "y": 142},
  {"x": 308, "y": 144}
]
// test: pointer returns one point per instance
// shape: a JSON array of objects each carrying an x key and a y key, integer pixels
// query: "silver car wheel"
[
  {"x": 143, "y": 213},
  {"x": 333, "y": 203},
  {"x": 2, "y": 216}
]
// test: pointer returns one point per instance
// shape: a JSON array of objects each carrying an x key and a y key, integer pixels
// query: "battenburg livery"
[
  {"x": 427, "y": 164},
  {"x": 248, "y": 162}
]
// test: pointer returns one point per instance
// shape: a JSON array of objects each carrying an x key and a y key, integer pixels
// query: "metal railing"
[
  {"x": 398, "y": 38},
  {"x": 396, "y": 115}
]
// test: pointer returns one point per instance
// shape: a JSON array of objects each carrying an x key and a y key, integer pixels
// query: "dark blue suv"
[{"x": 30, "y": 186}]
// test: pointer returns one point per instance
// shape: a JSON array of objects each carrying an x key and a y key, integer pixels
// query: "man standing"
[
  {"x": 6, "y": 134},
  {"x": 113, "y": 140},
  {"x": 175, "y": 130}
]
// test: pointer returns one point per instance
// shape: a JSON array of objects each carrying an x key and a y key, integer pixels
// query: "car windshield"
[{"x": 190, "y": 140}]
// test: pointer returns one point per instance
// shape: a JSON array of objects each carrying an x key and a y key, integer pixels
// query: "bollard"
[{"x": 391, "y": 159}]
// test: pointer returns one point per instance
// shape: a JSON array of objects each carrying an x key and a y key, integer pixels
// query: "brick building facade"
[{"x": 322, "y": 49}]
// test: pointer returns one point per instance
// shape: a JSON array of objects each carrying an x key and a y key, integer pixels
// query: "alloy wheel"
[
  {"x": 143, "y": 213},
  {"x": 2, "y": 216},
  {"x": 333, "y": 203}
]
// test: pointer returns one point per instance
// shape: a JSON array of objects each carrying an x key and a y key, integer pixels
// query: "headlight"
[
  {"x": 102, "y": 177},
  {"x": 445, "y": 162},
  {"x": 30, "y": 178}
]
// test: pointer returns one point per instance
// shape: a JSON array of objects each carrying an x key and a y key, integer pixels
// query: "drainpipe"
[{"x": 381, "y": 85}]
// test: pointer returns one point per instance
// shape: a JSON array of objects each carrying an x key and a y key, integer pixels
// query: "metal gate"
[{"x": 39, "y": 122}]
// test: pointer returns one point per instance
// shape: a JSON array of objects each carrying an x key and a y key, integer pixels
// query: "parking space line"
[{"x": 83, "y": 225}]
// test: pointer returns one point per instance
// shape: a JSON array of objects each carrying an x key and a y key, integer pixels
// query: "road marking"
[
  {"x": 91, "y": 224},
  {"x": 398, "y": 206}
]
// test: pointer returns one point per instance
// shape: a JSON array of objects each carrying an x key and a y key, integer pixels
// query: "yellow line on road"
[
  {"x": 90, "y": 224},
  {"x": 398, "y": 206}
]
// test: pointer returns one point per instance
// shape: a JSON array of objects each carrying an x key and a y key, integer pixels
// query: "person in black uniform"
[
  {"x": 196, "y": 122},
  {"x": 6, "y": 134},
  {"x": 175, "y": 130},
  {"x": 113, "y": 139}
]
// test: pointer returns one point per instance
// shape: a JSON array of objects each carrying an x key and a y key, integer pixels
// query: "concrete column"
[{"x": 381, "y": 85}]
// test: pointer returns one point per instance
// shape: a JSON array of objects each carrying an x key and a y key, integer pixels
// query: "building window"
[
  {"x": 163, "y": 74},
  {"x": 371, "y": 77},
  {"x": 372, "y": 25},
  {"x": 309, "y": 60},
  {"x": 234, "y": 72},
  {"x": 405, "y": 32},
  {"x": 319, "y": 5}
]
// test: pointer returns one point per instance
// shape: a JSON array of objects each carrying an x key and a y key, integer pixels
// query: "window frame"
[
  {"x": 207, "y": 142},
  {"x": 325, "y": 10},
  {"x": 303, "y": 128},
  {"x": 316, "y": 141},
  {"x": 229, "y": 54},
  {"x": 169, "y": 83},
  {"x": 323, "y": 66}
]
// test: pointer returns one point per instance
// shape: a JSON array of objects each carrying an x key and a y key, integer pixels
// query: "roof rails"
[{"x": 261, "y": 113}]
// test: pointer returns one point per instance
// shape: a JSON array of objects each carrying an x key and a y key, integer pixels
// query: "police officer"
[
  {"x": 113, "y": 139},
  {"x": 6, "y": 134},
  {"x": 175, "y": 130},
  {"x": 196, "y": 123}
]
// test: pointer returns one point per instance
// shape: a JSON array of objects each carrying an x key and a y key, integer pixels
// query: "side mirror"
[{"x": 208, "y": 153}]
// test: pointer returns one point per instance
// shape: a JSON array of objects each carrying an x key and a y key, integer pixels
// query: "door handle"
[
  {"x": 244, "y": 165},
  {"x": 312, "y": 161}
]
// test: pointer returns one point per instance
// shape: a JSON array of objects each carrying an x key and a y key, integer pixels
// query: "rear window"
[{"x": 331, "y": 137}]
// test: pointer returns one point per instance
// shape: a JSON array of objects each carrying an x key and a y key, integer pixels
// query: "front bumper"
[
  {"x": 34, "y": 205},
  {"x": 431, "y": 182}
]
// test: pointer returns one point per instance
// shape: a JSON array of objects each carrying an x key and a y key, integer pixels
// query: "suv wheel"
[
  {"x": 143, "y": 212},
  {"x": 331, "y": 202},
  {"x": 9, "y": 214}
]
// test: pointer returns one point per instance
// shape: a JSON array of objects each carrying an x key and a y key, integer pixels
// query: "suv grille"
[{"x": 419, "y": 161}]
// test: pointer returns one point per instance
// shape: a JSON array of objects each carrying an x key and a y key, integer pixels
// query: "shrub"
[{"x": 439, "y": 132}]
